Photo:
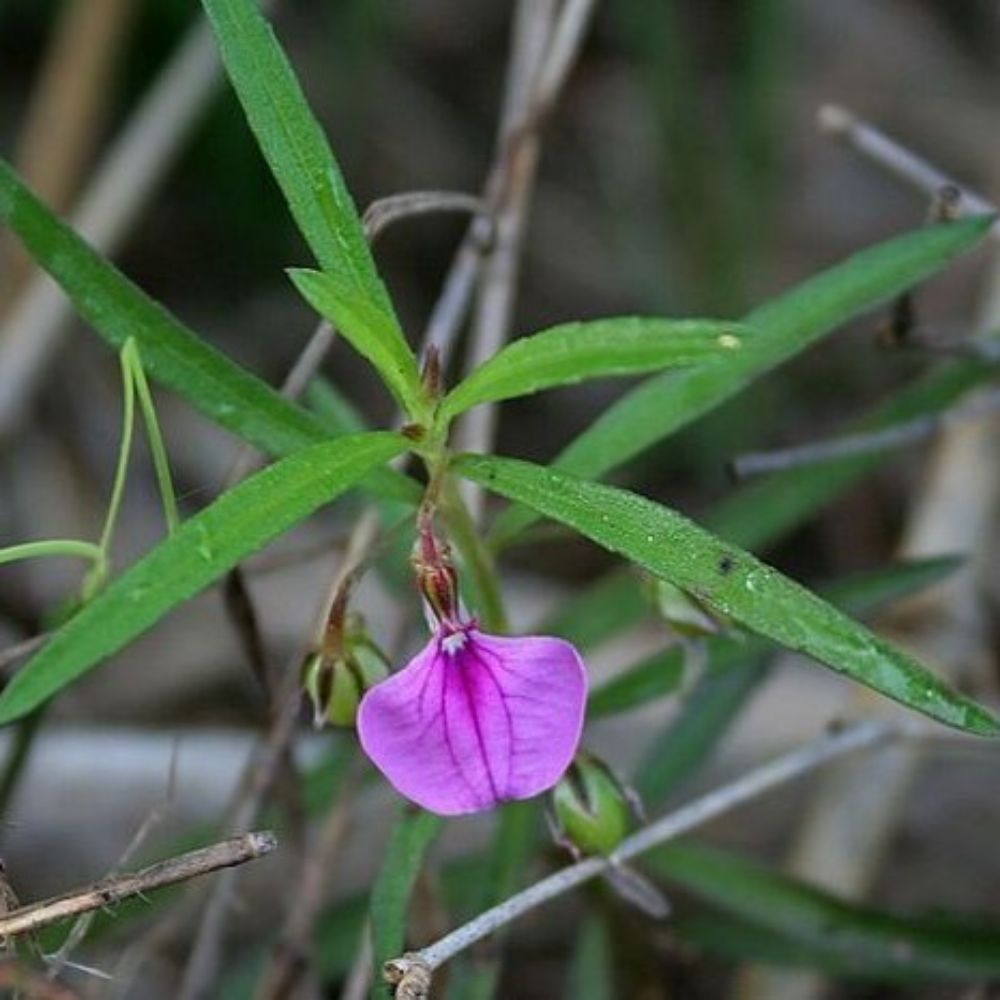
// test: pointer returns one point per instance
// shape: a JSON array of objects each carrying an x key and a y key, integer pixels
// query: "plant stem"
[
  {"x": 131, "y": 358},
  {"x": 477, "y": 557},
  {"x": 51, "y": 547}
]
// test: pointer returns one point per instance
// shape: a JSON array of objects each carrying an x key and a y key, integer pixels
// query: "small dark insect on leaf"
[
  {"x": 415, "y": 432},
  {"x": 899, "y": 328},
  {"x": 726, "y": 565}
]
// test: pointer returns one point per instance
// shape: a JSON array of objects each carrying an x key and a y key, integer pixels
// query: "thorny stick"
[
  {"x": 898, "y": 436},
  {"x": 107, "y": 892},
  {"x": 59, "y": 959},
  {"x": 753, "y": 784},
  {"x": 897, "y": 160}
]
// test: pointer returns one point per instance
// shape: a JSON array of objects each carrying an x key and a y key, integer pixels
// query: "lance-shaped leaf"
[
  {"x": 412, "y": 835},
  {"x": 294, "y": 145},
  {"x": 729, "y": 581},
  {"x": 353, "y": 297},
  {"x": 572, "y": 352},
  {"x": 200, "y": 551},
  {"x": 171, "y": 354},
  {"x": 371, "y": 331},
  {"x": 736, "y": 669},
  {"x": 661, "y": 673},
  {"x": 860, "y": 939},
  {"x": 783, "y": 328}
]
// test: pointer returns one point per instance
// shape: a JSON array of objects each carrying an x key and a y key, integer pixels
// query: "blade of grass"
[
  {"x": 600, "y": 611},
  {"x": 591, "y": 972},
  {"x": 784, "y": 327},
  {"x": 652, "y": 677},
  {"x": 514, "y": 841},
  {"x": 859, "y": 936},
  {"x": 412, "y": 835},
  {"x": 729, "y": 581},
  {"x": 204, "y": 547}
]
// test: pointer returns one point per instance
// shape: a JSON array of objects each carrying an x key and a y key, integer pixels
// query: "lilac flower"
[{"x": 475, "y": 720}]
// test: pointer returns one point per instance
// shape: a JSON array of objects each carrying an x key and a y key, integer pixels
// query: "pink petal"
[{"x": 497, "y": 719}]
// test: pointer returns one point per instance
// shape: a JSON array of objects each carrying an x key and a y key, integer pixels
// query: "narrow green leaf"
[
  {"x": 572, "y": 352},
  {"x": 514, "y": 841},
  {"x": 338, "y": 414},
  {"x": 296, "y": 150},
  {"x": 371, "y": 331},
  {"x": 171, "y": 354},
  {"x": 294, "y": 145},
  {"x": 677, "y": 752},
  {"x": 737, "y": 665},
  {"x": 722, "y": 935},
  {"x": 864, "y": 937},
  {"x": 412, "y": 835},
  {"x": 599, "y": 611},
  {"x": 203, "y": 549},
  {"x": 652, "y": 677},
  {"x": 783, "y": 328},
  {"x": 729, "y": 581},
  {"x": 591, "y": 973}
]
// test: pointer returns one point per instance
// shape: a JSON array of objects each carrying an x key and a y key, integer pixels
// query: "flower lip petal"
[{"x": 467, "y": 725}]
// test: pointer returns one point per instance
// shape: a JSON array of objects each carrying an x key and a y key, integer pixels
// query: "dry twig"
[
  {"x": 897, "y": 160},
  {"x": 899, "y": 435},
  {"x": 108, "y": 891}
]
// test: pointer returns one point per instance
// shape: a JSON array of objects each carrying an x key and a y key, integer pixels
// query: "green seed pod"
[
  {"x": 336, "y": 685},
  {"x": 591, "y": 807}
]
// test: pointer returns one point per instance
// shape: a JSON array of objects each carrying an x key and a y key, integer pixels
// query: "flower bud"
[
  {"x": 336, "y": 684},
  {"x": 592, "y": 807}
]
